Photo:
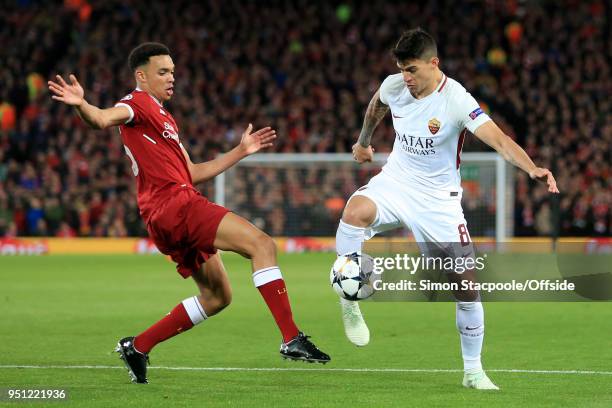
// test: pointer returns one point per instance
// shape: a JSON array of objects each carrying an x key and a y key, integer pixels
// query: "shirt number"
[{"x": 464, "y": 236}]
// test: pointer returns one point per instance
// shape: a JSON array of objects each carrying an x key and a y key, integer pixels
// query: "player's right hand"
[
  {"x": 363, "y": 154},
  {"x": 70, "y": 94}
]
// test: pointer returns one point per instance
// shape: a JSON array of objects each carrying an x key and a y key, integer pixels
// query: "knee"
[
  {"x": 358, "y": 216},
  {"x": 262, "y": 244}
]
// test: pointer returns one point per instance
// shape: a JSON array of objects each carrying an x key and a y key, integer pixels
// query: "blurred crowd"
[{"x": 307, "y": 68}]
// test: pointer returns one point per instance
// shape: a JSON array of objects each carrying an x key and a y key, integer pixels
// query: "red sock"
[
  {"x": 275, "y": 295},
  {"x": 175, "y": 322}
]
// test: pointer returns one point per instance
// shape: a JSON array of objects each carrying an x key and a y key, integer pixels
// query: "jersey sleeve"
[
  {"x": 134, "y": 106},
  {"x": 467, "y": 112},
  {"x": 388, "y": 87}
]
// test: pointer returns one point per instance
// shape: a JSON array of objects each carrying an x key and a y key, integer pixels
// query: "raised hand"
[
  {"x": 545, "y": 176},
  {"x": 70, "y": 94},
  {"x": 363, "y": 154},
  {"x": 254, "y": 142}
]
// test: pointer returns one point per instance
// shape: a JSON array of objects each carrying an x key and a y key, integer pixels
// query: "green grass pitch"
[{"x": 70, "y": 310}]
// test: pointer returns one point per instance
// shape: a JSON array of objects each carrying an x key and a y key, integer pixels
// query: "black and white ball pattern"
[{"x": 350, "y": 276}]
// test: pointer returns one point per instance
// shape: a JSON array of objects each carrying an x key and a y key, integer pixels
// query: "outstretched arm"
[
  {"x": 492, "y": 135},
  {"x": 72, "y": 94},
  {"x": 362, "y": 150},
  {"x": 249, "y": 144}
]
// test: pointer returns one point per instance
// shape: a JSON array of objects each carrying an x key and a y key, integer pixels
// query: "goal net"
[{"x": 292, "y": 194}]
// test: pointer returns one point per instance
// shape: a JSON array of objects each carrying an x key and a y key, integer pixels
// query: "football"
[{"x": 351, "y": 276}]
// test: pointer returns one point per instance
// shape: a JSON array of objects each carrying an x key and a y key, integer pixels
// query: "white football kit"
[
  {"x": 420, "y": 185},
  {"x": 420, "y": 188}
]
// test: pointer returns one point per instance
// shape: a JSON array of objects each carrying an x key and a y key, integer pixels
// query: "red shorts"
[{"x": 185, "y": 228}]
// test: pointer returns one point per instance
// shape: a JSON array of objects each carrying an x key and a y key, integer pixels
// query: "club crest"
[{"x": 433, "y": 125}]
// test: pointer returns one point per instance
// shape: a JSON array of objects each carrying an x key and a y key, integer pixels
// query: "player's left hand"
[
  {"x": 545, "y": 176},
  {"x": 254, "y": 142}
]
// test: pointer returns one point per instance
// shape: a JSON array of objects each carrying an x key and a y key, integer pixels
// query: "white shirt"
[{"x": 429, "y": 133}]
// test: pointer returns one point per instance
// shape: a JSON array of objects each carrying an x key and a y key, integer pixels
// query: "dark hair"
[
  {"x": 141, "y": 54},
  {"x": 415, "y": 44}
]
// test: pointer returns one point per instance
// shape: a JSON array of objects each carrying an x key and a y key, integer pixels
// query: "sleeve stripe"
[{"x": 130, "y": 109}]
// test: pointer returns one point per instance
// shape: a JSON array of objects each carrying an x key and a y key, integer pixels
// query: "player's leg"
[
  {"x": 441, "y": 221},
  {"x": 238, "y": 235},
  {"x": 215, "y": 295},
  {"x": 368, "y": 212},
  {"x": 358, "y": 214},
  {"x": 471, "y": 327},
  {"x": 214, "y": 285}
]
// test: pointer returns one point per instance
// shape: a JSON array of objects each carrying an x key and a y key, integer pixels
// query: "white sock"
[
  {"x": 195, "y": 310},
  {"x": 349, "y": 238},
  {"x": 470, "y": 323},
  {"x": 266, "y": 275}
]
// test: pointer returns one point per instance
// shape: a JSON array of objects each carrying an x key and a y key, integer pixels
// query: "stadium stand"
[{"x": 308, "y": 68}]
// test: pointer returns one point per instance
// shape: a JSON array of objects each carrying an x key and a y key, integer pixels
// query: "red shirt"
[{"x": 151, "y": 141}]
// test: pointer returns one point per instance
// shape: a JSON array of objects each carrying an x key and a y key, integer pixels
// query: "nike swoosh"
[
  {"x": 398, "y": 117},
  {"x": 472, "y": 328}
]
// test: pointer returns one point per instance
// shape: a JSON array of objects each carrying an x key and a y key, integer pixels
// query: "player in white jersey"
[{"x": 420, "y": 185}]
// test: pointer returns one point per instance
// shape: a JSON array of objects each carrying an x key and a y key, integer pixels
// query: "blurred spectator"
[
  {"x": 65, "y": 231},
  {"x": 34, "y": 215}
]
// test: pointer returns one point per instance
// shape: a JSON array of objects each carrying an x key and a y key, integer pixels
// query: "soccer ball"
[{"x": 351, "y": 276}]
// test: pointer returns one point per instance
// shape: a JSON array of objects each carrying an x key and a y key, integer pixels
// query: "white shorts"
[{"x": 433, "y": 217}]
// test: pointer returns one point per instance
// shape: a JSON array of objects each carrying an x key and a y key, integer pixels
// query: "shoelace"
[
  {"x": 309, "y": 345},
  {"x": 475, "y": 378}
]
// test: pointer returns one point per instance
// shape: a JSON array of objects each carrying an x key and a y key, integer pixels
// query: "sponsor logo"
[
  {"x": 16, "y": 246},
  {"x": 434, "y": 125},
  {"x": 598, "y": 246},
  {"x": 472, "y": 328},
  {"x": 307, "y": 244},
  {"x": 475, "y": 113},
  {"x": 170, "y": 133},
  {"x": 421, "y": 146},
  {"x": 397, "y": 117}
]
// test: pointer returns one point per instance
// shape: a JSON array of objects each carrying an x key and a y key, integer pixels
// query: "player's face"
[
  {"x": 158, "y": 77},
  {"x": 419, "y": 74}
]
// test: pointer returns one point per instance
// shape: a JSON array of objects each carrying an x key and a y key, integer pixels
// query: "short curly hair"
[{"x": 141, "y": 54}]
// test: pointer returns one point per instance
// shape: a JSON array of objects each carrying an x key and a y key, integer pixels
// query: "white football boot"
[
  {"x": 355, "y": 327},
  {"x": 478, "y": 381}
]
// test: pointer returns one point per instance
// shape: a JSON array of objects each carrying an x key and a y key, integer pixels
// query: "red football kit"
[{"x": 181, "y": 222}]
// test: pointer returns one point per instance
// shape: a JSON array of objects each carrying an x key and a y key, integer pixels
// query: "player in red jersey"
[{"x": 181, "y": 222}]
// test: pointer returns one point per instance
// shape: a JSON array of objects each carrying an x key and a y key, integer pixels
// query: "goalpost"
[{"x": 302, "y": 194}]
